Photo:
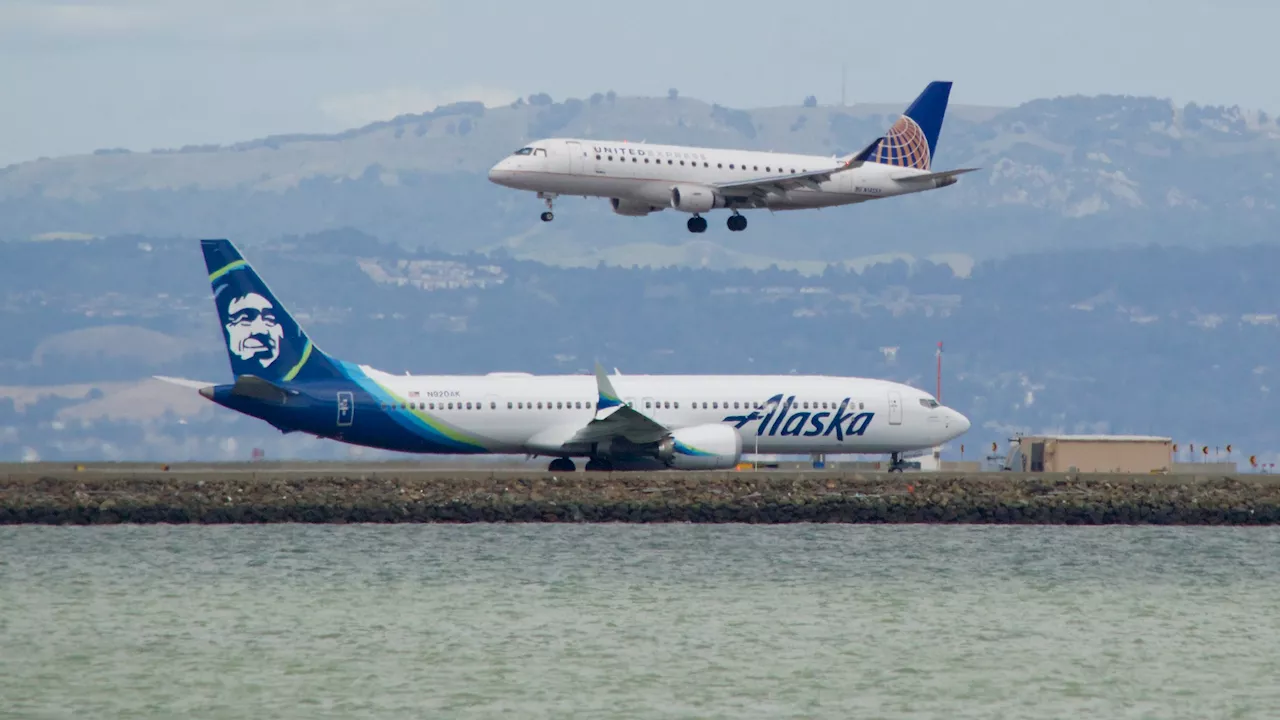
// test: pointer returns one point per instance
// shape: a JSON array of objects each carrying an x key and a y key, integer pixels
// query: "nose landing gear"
[{"x": 547, "y": 216}]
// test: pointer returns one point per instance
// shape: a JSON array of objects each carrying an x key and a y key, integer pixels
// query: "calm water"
[{"x": 545, "y": 621}]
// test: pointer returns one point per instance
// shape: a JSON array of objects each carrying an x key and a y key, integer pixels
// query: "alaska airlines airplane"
[
  {"x": 639, "y": 178},
  {"x": 619, "y": 422}
]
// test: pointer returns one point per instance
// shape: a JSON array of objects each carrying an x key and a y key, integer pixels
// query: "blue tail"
[
  {"x": 263, "y": 340},
  {"x": 912, "y": 140}
]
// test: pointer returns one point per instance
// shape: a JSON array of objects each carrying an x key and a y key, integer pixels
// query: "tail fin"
[
  {"x": 263, "y": 340},
  {"x": 913, "y": 138}
]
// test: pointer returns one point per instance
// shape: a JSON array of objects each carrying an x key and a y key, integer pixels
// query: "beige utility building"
[{"x": 1092, "y": 453}]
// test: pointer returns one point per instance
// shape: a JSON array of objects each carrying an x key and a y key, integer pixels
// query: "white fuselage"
[
  {"x": 641, "y": 175},
  {"x": 522, "y": 413}
]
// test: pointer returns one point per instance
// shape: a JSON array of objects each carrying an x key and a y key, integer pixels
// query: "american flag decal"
[{"x": 413, "y": 393}]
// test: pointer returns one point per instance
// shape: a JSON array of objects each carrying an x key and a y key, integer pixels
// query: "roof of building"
[{"x": 1101, "y": 438}]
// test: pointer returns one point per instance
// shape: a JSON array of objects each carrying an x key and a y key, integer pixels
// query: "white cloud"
[{"x": 358, "y": 109}]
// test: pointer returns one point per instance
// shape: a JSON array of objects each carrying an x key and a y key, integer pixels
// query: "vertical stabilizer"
[
  {"x": 912, "y": 141},
  {"x": 263, "y": 340}
]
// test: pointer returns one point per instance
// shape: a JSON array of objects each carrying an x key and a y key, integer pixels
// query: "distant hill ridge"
[{"x": 1058, "y": 172}]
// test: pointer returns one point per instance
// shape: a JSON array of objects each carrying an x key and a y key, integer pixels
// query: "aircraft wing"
[
  {"x": 762, "y": 186},
  {"x": 616, "y": 419}
]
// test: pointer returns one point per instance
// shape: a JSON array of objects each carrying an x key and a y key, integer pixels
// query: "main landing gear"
[
  {"x": 895, "y": 462},
  {"x": 548, "y": 216},
  {"x": 593, "y": 465},
  {"x": 736, "y": 223}
]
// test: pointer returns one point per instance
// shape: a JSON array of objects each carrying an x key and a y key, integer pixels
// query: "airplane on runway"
[
  {"x": 619, "y": 422},
  {"x": 640, "y": 178}
]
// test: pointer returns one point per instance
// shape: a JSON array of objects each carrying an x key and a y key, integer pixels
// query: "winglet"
[{"x": 608, "y": 396}]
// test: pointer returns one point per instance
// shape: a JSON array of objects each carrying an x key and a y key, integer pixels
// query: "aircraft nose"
[
  {"x": 501, "y": 173},
  {"x": 959, "y": 423}
]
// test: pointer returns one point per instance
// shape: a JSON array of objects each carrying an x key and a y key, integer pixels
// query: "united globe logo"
[{"x": 905, "y": 145}]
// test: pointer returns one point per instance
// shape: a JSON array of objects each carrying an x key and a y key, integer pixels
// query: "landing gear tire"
[
  {"x": 597, "y": 465},
  {"x": 737, "y": 223},
  {"x": 549, "y": 199},
  {"x": 895, "y": 462},
  {"x": 561, "y": 465},
  {"x": 697, "y": 224}
]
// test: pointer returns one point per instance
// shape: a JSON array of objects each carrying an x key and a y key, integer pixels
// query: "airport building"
[{"x": 1092, "y": 453}]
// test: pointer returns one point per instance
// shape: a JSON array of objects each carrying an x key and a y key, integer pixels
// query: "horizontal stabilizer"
[
  {"x": 193, "y": 384},
  {"x": 935, "y": 176}
]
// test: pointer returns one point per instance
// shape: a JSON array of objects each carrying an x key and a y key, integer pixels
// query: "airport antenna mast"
[
  {"x": 939, "y": 371},
  {"x": 842, "y": 83}
]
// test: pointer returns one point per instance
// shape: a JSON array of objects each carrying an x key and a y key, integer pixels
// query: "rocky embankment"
[{"x": 316, "y": 495}]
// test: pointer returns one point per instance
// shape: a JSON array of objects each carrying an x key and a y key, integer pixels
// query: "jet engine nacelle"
[
  {"x": 701, "y": 447},
  {"x": 695, "y": 198},
  {"x": 631, "y": 207}
]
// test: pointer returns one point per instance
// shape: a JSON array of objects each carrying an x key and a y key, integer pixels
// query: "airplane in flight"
[
  {"x": 641, "y": 178},
  {"x": 614, "y": 422}
]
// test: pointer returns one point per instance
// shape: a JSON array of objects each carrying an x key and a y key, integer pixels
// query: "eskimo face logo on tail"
[
  {"x": 252, "y": 329},
  {"x": 777, "y": 418},
  {"x": 905, "y": 145}
]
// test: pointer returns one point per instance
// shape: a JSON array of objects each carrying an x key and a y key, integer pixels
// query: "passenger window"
[
  {"x": 450, "y": 406},
  {"x": 510, "y": 406},
  {"x": 539, "y": 404},
  {"x": 670, "y": 162},
  {"x": 719, "y": 166},
  {"x": 768, "y": 169},
  {"x": 597, "y": 157},
  {"x": 666, "y": 405},
  {"x": 494, "y": 405},
  {"x": 715, "y": 406},
  {"x": 730, "y": 166},
  {"x": 861, "y": 406},
  {"x": 646, "y": 160},
  {"x": 755, "y": 167},
  {"x": 677, "y": 405},
  {"x": 646, "y": 404},
  {"x": 735, "y": 406}
]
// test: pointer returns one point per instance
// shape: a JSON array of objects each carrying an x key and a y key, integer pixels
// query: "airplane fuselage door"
[
  {"x": 346, "y": 408},
  {"x": 577, "y": 157},
  {"x": 895, "y": 407}
]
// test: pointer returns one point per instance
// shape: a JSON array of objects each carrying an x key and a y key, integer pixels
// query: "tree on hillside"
[
  {"x": 672, "y": 94},
  {"x": 611, "y": 96},
  {"x": 811, "y": 101}
]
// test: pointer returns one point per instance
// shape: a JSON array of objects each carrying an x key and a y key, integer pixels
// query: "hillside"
[{"x": 1058, "y": 173}]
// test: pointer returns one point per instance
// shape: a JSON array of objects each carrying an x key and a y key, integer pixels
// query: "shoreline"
[{"x": 394, "y": 493}]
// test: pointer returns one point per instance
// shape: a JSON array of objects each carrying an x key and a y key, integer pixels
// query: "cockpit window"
[
  {"x": 523, "y": 151},
  {"x": 929, "y": 403}
]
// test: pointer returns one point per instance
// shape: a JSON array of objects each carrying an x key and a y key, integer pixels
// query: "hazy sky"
[{"x": 164, "y": 73}]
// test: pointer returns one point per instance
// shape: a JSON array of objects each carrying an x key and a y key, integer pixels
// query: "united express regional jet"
[
  {"x": 615, "y": 422},
  {"x": 639, "y": 178}
]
